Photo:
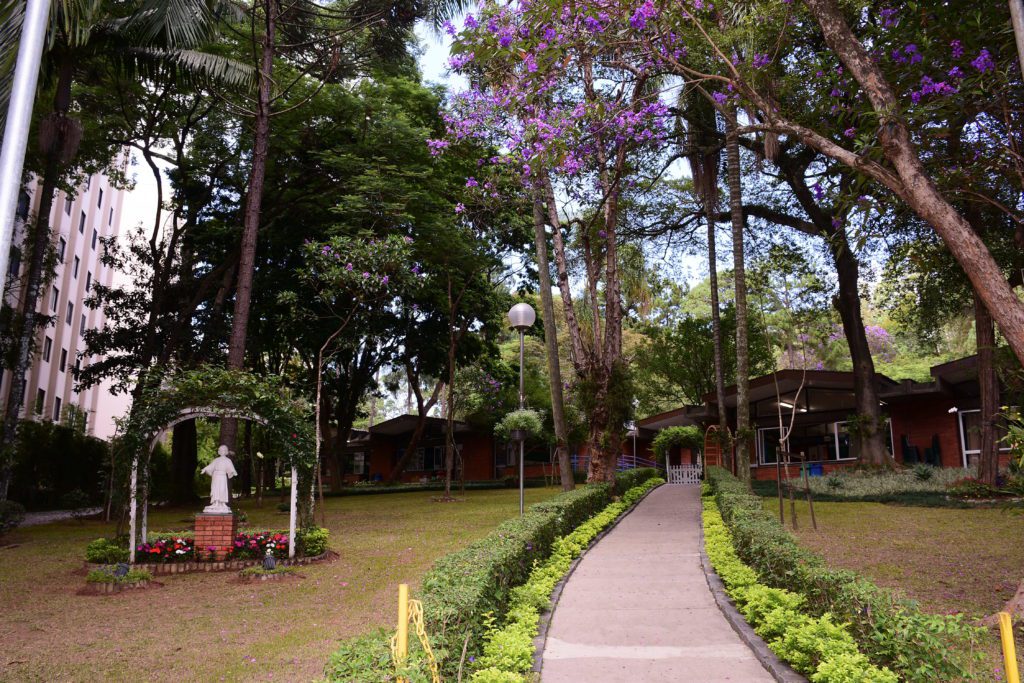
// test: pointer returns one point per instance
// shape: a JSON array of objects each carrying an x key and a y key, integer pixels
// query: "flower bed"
[
  {"x": 891, "y": 632},
  {"x": 106, "y": 580},
  {"x": 181, "y": 547}
]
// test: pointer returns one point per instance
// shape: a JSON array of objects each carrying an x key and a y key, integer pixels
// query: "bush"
[
  {"x": 628, "y": 479},
  {"x": 106, "y": 551},
  {"x": 12, "y": 514},
  {"x": 969, "y": 487},
  {"x": 690, "y": 437},
  {"x": 107, "y": 575},
  {"x": 923, "y": 472},
  {"x": 889, "y": 631},
  {"x": 52, "y": 460},
  {"x": 312, "y": 542}
]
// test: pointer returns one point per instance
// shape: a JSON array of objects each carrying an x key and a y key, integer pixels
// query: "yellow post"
[
  {"x": 1009, "y": 651},
  {"x": 403, "y": 625}
]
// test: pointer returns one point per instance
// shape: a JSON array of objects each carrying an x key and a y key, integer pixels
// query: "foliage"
[
  {"x": 52, "y": 460},
  {"x": 248, "y": 545},
  {"x": 107, "y": 575},
  {"x": 525, "y": 420},
  {"x": 508, "y": 650},
  {"x": 312, "y": 542},
  {"x": 858, "y": 483},
  {"x": 971, "y": 487},
  {"x": 105, "y": 551},
  {"x": 628, "y": 479},
  {"x": 923, "y": 472},
  {"x": 890, "y": 631},
  {"x": 367, "y": 659},
  {"x": 11, "y": 515},
  {"x": 689, "y": 436},
  {"x": 463, "y": 586}
]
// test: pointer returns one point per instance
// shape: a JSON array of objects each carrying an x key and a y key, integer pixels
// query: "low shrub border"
[
  {"x": 105, "y": 579},
  {"x": 508, "y": 652},
  {"x": 890, "y": 631},
  {"x": 463, "y": 587},
  {"x": 818, "y": 647}
]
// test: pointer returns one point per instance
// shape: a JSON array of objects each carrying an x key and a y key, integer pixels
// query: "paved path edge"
[
  {"x": 541, "y": 639},
  {"x": 780, "y": 671}
]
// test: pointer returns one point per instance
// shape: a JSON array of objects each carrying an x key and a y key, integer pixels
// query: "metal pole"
[
  {"x": 402, "y": 636},
  {"x": 294, "y": 505},
  {"x": 19, "y": 119},
  {"x": 522, "y": 442}
]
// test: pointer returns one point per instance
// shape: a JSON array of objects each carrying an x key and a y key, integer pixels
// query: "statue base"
[{"x": 215, "y": 535}]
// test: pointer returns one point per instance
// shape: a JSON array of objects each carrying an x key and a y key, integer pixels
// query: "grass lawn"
[
  {"x": 207, "y": 626},
  {"x": 950, "y": 560}
]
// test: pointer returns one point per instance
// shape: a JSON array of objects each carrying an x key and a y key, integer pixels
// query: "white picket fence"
[{"x": 684, "y": 474}]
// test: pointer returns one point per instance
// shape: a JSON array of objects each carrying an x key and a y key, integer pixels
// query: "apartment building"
[{"x": 78, "y": 223}]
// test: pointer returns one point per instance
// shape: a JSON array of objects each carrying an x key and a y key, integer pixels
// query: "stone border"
[
  {"x": 115, "y": 587},
  {"x": 780, "y": 671},
  {"x": 160, "y": 569},
  {"x": 540, "y": 640}
]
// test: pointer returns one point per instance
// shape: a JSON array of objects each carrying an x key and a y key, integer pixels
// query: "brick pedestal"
[{"x": 217, "y": 532}]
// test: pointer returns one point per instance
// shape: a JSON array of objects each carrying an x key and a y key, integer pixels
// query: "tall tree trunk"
[
  {"x": 732, "y": 153},
  {"x": 869, "y": 437},
  {"x": 547, "y": 305},
  {"x": 985, "y": 336},
  {"x": 449, "y": 425},
  {"x": 421, "y": 423},
  {"x": 716, "y": 335},
  {"x": 184, "y": 461},
  {"x": 253, "y": 201},
  {"x": 59, "y": 147}
]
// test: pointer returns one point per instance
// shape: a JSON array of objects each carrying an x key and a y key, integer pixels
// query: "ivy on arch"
[
  {"x": 209, "y": 389},
  {"x": 212, "y": 391}
]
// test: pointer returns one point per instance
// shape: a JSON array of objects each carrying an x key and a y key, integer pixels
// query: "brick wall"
[
  {"x": 216, "y": 531},
  {"x": 919, "y": 419}
]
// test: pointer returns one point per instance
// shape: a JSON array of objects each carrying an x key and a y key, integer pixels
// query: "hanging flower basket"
[{"x": 518, "y": 435}]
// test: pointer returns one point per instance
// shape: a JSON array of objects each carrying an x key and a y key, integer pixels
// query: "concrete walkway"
[{"x": 638, "y": 607}]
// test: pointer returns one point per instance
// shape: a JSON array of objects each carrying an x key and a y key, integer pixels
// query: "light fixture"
[
  {"x": 522, "y": 316},
  {"x": 791, "y": 406}
]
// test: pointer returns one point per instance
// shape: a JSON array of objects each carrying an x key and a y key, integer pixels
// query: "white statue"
[{"x": 221, "y": 469}]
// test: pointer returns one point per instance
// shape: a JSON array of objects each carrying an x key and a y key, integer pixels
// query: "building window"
[
  {"x": 78, "y": 367},
  {"x": 74, "y": 271},
  {"x": 70, "y": 314},
  {"x": 821, "y": 442},
  {"x": 355, "y": 464},
  {"x": 99, "y": 199},
  {"x": 88, "y": 281},
  {"x": 53, "y": 301},
  {"x": 63, "y": 360},
  {"x": 88, "y": 182},
  {"x": 14, "y": 263},
  {"x": 81, "y": 224},
  {"x": 56, "y": 409},
  {"x": 95, "y": 237},
  {"x": 40, "y": 400},
  {"x": 24, "y": 204},
  {"x": 62, "y": 247},
  {"x": 110, "y": 218},
  {"x": 67, "y": 205},
  {"x": 81, "y": 329},
  {"x": 47, "y": 349}
]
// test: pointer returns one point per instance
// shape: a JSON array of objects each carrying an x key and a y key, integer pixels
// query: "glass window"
[
  {"x": 110, "y": 218},
  {"x": 56, "y": 409},
  {"x": 95, "y": 236},
  {"x": 70, "y": 314},
  {"x": 53, "y": 301},
  {"x": 63, "y": 359},
  {"x": 81, "y": 224},
  {"x": 74, "y": 271},
  {"x": 88, "y": 281},
  {"x": 62, "y": 246},
  {"x": 970, "y": 430},
  {"x": 14, "y": 263},
  {"x": 81, "y": 329},
  {"x": 67, "y": 205},
  {"x": 99, "y": 199},
  {"x": 47, "y": 349},
  {"x": 355, "y": 463},
  {"x": 40, "y": 400},
  {"x": 24, "y": 202}
]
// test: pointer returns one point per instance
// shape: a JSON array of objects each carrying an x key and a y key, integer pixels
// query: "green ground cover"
[{"x": 212, "y": 627}]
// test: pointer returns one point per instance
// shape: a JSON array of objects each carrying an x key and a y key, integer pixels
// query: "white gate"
[{"x": 684, "y": 474}]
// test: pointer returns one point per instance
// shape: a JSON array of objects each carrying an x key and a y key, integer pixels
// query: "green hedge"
[
  {"x": 629, "y": 479},
  {"x": 892, "y": 632},
  {"x": 466, "y": 585}
]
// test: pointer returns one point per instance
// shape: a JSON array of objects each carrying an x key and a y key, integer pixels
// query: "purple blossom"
[
  {"x": 505, "y": 39},
  {"x": 911, "y": 51},
  {"x": 460, "y": 208},
  {"x": 719, "y": 97},
  {"x": 956, "y": 48},
  {"x": 437, "y": 146},
  {"x": 888, "y": 15},
  {"x": 849, "y": 132},
  {"x": 458, "y": 61},
  {"x": 761, "y": 60},
  {"x": 983, "y": 62},
  {"x": 384, "y": 280},
  {"x": 471, "y": 22},
  {"x": 955, "y": 72},
  {"x": 348, "y": 266},
  {"x": 471, "y": 182},
  {"x": 818, "y": 192},
  {"x": 365, "y": 275}
]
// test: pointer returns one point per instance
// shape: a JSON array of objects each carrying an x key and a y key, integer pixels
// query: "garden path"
[{"x": 638, "y": 607}]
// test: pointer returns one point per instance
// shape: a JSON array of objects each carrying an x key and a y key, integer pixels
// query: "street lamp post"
[{"x": 521, "y": 317}]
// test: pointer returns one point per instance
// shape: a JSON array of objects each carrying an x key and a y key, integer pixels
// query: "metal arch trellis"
[{"x": 212, "y": 392}]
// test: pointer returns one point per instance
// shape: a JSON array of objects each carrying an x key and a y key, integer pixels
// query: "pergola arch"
[{"x": 215, "y": 392}]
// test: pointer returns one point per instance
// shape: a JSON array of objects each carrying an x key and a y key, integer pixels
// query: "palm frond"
[
  {"x": 178, "y": 23},
  {"x": 196, "y": 65},
  {"x": 12, "y": 14}
]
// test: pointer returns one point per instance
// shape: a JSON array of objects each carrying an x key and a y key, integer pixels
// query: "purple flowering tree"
[{"x": 575, "y": 118}]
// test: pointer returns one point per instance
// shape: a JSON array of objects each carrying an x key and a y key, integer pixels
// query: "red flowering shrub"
[
  {"x": 181, "y": 548},
  {"x": 254, "y": 546}
]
